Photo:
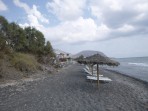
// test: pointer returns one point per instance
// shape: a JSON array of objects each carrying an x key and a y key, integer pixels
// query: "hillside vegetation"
[{"x": 22, "y": 48}]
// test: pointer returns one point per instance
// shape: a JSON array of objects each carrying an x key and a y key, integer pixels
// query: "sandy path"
[{"x": 69, "y": 91}]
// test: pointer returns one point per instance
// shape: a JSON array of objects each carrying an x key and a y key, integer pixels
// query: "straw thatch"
[{"x": 101, "y": 60}]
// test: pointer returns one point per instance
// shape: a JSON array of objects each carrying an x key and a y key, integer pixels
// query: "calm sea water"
[{"x": 136, "y": 67}]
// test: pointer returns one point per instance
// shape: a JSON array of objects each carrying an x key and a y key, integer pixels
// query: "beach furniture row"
[{"x": 92, "y": 75}]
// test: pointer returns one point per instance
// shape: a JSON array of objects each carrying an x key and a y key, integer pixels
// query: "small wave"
[{"x": 139, "y": 64}]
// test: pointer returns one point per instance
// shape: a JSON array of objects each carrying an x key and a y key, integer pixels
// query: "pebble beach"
[{"x": 68, "y": 90}]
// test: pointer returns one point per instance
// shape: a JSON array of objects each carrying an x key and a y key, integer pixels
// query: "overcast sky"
[{"x": 118, "y": 28}]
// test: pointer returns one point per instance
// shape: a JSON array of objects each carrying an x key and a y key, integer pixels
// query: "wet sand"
[{"x": 68, "y": 90}]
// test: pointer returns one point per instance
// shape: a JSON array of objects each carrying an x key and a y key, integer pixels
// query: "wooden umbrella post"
[
  {"x": 98, "y": 75},
  {"x": 92, "y": 70}
]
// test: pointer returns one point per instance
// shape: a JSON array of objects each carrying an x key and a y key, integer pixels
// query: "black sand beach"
[{"x": 68, "y": 90}]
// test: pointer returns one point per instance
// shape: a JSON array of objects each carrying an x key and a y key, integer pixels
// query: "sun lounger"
[
  {"x": 85, "y": 70},
  {"x": 89, "y": 73},
  {"x": 87, "y": 67},
  {"x": 100, "y": 78}
]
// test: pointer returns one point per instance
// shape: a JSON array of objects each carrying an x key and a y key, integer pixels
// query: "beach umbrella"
[
  {"x": 81, "y": 61},
  {"x": 100, "y": 60}
]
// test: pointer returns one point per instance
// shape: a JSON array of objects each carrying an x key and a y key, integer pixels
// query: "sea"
[{"x": 136, "y": 67}]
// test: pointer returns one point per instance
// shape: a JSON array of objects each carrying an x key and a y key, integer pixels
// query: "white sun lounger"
[
  {"x": 100, "y": 78},
  {"x": 87, "y": 67},
  {"x": 89, "y": 73}
]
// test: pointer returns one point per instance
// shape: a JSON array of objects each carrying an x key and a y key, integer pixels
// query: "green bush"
[{"x": 24, "y": 62}]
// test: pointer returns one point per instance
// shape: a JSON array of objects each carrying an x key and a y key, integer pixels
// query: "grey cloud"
[
  {"x": 142, "y": 22},
  {"x": 139, "y": 31},
  {"x": 129, "y": 14},
  {"x": 115, "y": 19}
]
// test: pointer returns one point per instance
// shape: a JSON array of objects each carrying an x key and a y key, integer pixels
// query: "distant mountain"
[{"x": 87, "y": 53}]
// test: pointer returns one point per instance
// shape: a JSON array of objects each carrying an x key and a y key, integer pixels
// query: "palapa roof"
[
  {"x": 82, "y": 60},
  {"x": 102, "y": 60}
]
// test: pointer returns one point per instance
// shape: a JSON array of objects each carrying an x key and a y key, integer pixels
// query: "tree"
[
  {"x": 21, "y": 41},
  {"x": 3, "y": 32},
  {"x": 17, "y": 39},
  {"x": 3, "y": 26},
  {"x": 2, "y": 42},
  {"x": 28, "y": 40},
  {"x": 81, "y": 57},
  {"x": 48, "y": 49},
  {"x": 35, "y": 39}
]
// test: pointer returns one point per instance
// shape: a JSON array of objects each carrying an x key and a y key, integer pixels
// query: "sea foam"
[{"x": 138, "y": 64}]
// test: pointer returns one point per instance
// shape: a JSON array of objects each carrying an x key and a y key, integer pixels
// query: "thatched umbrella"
[
  {"x": 100, "y": 60},
  {"x": 82, "y": 61}
]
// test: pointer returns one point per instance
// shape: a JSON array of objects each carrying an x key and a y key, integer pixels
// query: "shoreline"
[{"x": 120, "y": 73}]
